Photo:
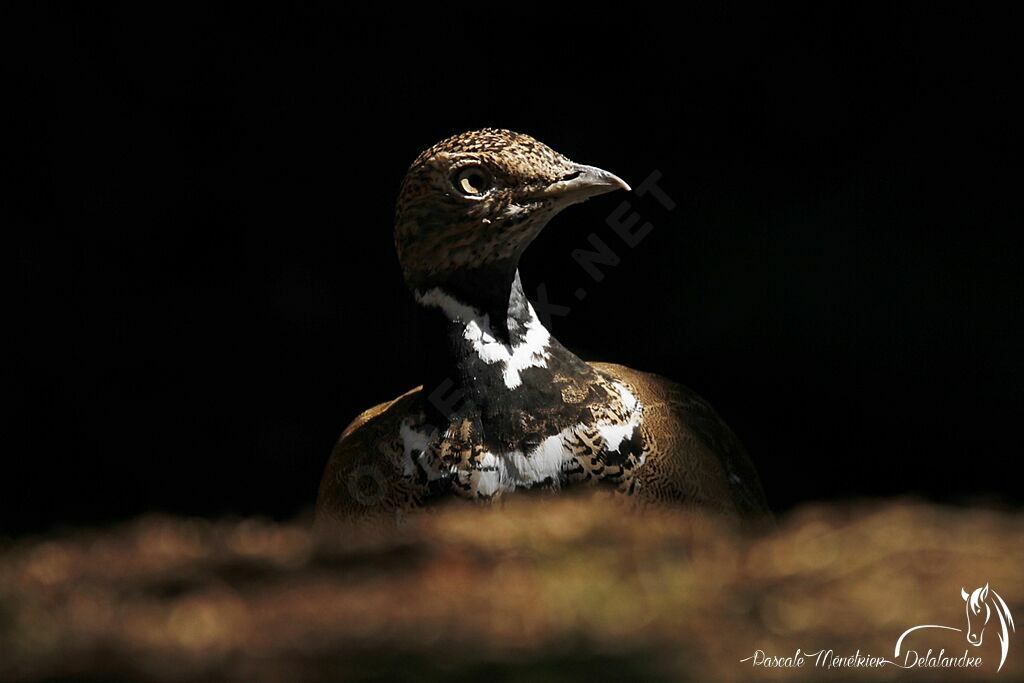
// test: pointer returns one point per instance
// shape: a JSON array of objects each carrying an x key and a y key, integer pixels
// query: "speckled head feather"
[{"x": 480, "y": 197}]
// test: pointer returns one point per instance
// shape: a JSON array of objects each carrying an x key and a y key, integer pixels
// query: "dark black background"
[{"x": 198, "y": 213}]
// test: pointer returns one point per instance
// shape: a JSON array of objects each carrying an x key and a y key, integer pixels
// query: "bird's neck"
[
  {"x": 485, "y": 343},
  {"x": 468, "y": 318},
  {"x": 493, "y": 290}
]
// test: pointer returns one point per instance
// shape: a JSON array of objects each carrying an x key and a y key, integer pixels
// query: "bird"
[{"x": 503, "y": 408}]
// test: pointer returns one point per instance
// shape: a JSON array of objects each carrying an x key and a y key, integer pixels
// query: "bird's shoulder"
[
  {"x": 693, "y": 455},
  {"x": 364, "y": 473}
]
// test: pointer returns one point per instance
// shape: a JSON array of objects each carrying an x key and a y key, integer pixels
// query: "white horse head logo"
[{"x": 980, "y": 605}]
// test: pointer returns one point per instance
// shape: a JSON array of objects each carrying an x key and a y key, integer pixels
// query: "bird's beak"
[{"x": 581, "y": 184}]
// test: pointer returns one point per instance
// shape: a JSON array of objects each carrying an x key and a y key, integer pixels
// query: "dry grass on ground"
[{"x": 544, "y": 589}]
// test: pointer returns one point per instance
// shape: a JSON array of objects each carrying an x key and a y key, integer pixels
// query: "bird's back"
[
  {"x": 693, "y": 457},
  {"x": 363, "y": 479}
]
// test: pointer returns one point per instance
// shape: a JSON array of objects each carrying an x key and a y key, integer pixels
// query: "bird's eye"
[{"x": 472, "y": 181}]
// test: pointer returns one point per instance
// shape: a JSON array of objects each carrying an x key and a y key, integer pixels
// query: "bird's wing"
[
  {"x": 363, "y": 478},
  {"x": 695, "y": 457}
]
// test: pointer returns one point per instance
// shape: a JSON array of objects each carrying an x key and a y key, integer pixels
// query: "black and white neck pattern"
[
  {"x": 534, "y": 414},
  {"x": 527, "y": 342}
]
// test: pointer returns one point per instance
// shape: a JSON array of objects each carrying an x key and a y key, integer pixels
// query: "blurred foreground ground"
[{"x": 544, "y": 589}]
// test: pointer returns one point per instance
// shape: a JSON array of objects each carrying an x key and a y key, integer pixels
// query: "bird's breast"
[{"x": 605, "y": 445}]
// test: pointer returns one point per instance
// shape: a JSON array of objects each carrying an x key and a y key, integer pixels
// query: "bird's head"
[{"x": 474, "y": 202}]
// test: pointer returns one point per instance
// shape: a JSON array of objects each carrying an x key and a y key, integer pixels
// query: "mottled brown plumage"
[{"x": 503, "y": 406}]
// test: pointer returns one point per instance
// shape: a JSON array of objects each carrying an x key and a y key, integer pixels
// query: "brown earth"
[{"x": 543, "y": 589}]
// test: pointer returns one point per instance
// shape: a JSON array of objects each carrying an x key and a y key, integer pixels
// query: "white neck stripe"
[{"x": 532, "y": 352}]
